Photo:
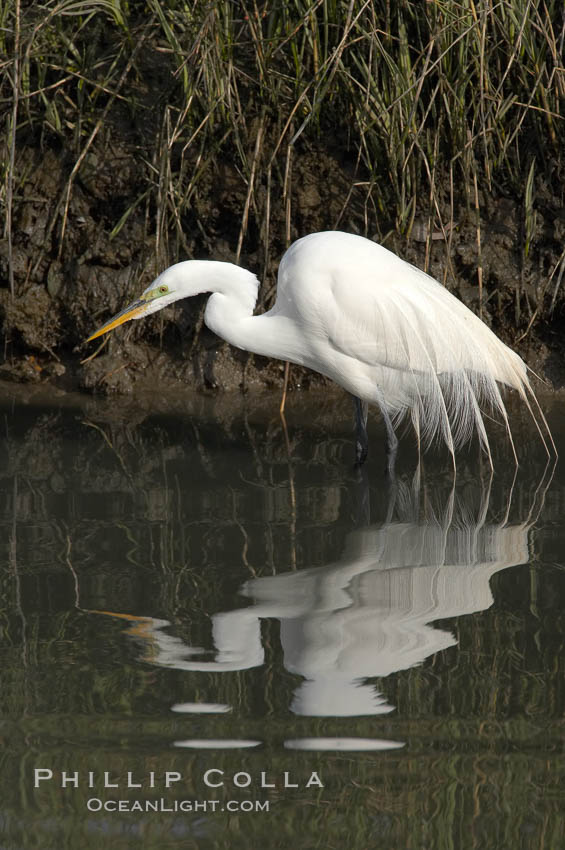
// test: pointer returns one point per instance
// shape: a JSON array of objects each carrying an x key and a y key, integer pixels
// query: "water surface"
[{"x": 187, "y": 590}]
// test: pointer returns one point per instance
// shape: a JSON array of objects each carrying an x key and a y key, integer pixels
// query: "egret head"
[
  {"x": 159, "y": 294},
  {"x": 192, "y": 277}
]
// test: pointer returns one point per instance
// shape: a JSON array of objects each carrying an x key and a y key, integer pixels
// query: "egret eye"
[{"x": 163, "y": 289}]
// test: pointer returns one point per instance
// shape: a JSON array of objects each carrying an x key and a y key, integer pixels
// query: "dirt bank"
[
  {"x": 62, "y": 294},
  {"x": 138, "y": 135}
]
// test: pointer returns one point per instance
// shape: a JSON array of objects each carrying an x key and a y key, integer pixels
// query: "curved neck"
[
  {"x": 233, "y": 298},
  {"x": 233, "y": 284},
  {"x": 229, "y": 313}
]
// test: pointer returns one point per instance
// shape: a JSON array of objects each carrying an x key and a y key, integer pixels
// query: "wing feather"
[{"x": 374, "y": 319}]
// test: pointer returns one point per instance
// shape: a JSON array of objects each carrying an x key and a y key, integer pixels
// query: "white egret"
[{"x": 381, "y": 328}]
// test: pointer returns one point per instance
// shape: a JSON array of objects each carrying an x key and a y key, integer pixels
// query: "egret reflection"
[{"x": 373, "y": 611}]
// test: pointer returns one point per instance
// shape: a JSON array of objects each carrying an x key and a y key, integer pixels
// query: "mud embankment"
[{"x": 72, "y": 272}]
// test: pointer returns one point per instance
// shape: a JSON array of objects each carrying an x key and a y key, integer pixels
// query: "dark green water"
[{"x": 182, "y": 594}]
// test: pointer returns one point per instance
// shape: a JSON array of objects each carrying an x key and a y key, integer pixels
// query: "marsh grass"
[{"x": 425, "y": 107}]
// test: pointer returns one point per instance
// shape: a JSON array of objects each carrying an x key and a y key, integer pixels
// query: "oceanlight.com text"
[{"x": 95, "y": 804}]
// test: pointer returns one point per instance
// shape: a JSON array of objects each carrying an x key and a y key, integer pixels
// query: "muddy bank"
[
  {"x": 62, "y": 294},
  {"x": 140, "y": 135}
]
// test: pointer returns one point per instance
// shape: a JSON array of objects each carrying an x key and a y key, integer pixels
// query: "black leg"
[
  {"x": 361, "y": 438},
  {"x": 391, "y": 444}
]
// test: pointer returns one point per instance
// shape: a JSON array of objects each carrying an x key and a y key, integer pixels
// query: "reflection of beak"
[{"x": 136, "y": 308}]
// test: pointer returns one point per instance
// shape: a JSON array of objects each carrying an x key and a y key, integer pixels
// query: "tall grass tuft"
[{"x": 423, "y": 107}]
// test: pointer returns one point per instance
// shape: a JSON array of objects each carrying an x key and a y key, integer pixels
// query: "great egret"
[{"x": 381, "y": 328}]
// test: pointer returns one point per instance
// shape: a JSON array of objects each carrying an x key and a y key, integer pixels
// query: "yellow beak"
[{"x": 136, "y": 308}]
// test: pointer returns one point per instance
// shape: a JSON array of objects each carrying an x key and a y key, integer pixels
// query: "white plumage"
[
  {"x": 384, "y": 330},
  {"x": 391, "y": 334}
]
